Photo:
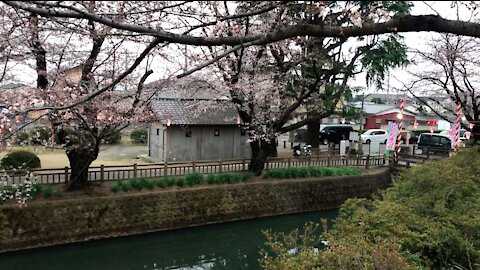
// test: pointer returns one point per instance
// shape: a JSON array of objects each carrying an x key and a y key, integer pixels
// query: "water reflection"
[{"x": 234, "y": 245}]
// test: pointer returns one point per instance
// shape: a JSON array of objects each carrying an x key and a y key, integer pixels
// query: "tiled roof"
[{"x": 195, "y": 112}]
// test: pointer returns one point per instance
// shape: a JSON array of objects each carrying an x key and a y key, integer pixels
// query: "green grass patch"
[{"x": 286, "y": 173}]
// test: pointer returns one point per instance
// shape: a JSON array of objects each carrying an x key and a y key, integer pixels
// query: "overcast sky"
[
  {"x": 412, "y": 40},
  {"x": 415, "y": 41}
]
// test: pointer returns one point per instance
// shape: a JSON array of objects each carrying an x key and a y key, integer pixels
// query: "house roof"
[
  {"x": 194, "y": 112},
  {"x": 373, "y": 108}
]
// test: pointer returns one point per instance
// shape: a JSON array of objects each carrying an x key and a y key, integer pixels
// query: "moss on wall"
[{"x": 57, "y": 222}]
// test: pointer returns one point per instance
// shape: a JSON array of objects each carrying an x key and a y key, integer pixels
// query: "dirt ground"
[{"x": 116, "y": 154}]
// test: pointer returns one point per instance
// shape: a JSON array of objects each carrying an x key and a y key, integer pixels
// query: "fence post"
[
  {"x": 413, "y": 151},
  {"x": 346, "y": 160},
  {"x": 328, "y": 160},
  {"x": 135, "y": 171},
  {"x": 165, "y": 169},
  {"x": 66, "y": 175},
  {"x": 194, "y": 166},
  {"x": 284, "y": 144},
  {"x": 367, "y": 164},
  {"x": 243, "y": 164},
  {"x": 289, "y": 163},
  {"x": 102, "y": 170},
  {"x": 428, "y": 152},
  {"x": 219, "y": 165},
  {"x": 309, "y": 161}
]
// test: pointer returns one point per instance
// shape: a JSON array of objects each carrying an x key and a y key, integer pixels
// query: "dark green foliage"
[
  {"x": 136, "y": 184},
  {"x": 180, "y": 182},
  {"x": 116, "y": 187},
  {"x": 311, "y": 172},
  {"x": 149, "y": 184},
  {"x": 115, "y": 137},
  {"x": 246, "y": 176},
  {"x": 161, "y": 183},
  {"x": 139, "y": 135},
  {"x": 126, "y": 186},
  {"x": 21, "y": 137},
  {"x": 428, "y": 219},
  {"x": 194, "y": 179},
  {"x": 47, "y": 192},
  {"x": 40, "y": 135},
  {"x": 211, "y": 179},
  {"x": 20, "y": 160},
  {"x": 387, "y": 54},
  {"x": 170, "y": 181}
]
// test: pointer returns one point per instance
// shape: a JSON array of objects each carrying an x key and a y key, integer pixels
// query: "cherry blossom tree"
[
  {"x": 268, "y": 83},
  {"x": 453, "y": 65}
]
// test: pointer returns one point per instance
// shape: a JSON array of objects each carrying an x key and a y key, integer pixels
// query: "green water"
[{"x": 233, "y": 245}]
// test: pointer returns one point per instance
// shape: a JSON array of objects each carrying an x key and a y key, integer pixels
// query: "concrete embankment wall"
[{"x": 66, "y": 221}]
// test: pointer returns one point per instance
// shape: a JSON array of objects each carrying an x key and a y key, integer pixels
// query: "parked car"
[
  {"x": 410, "y": 136},
  {"x": 438, "y": 142},
  {"x": 374, "y": 135},
  {"x": 461, "y": 134},
  {"x": 335, "y": 133}
]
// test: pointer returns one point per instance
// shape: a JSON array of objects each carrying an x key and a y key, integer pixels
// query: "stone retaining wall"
[{"x": 65, "y": 221}]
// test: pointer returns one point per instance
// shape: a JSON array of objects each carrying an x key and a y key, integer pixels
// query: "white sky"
[
  {"x": 412, "y": 40},
  {"x": 415, "y": 40}
]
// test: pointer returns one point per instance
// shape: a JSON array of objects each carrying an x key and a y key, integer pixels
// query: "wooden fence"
[{"x": 111, "y": 173}]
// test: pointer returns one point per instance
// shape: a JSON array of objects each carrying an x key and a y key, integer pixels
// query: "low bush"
[
  {"x": 21, "y": 159},
  {"x": 139, "y": 135},
  {"x": 22, "y": 138},
  {"x": 47, "y": 192},
  {"x": 161, "y": 183},
  {"x": 134, "y": 183},
  {"x": 428, "y": 219},
  {"x": 126, "y": 186},
  {"x": 194, "y": 179},
  {"x": 115, "y": 137},
  {"x": 116, "y": 187},
  {"x": 287, "y": 173},
  {"x": 180, "y": 182},
  {"x": 170, "y": 181},
  {"x": 40, "y": 135}
]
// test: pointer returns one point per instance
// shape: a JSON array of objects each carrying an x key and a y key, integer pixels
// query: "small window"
[
  {"x": 378, "y": 121},
  {"x": 380, "y": 132},
  {"x": 158, "y": 132},
  {"x": 216, "y": 132}
]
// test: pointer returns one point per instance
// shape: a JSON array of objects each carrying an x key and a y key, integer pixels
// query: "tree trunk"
[
  {"x": 313, "y": 133},
  {"x": 80, "y": 159},
  {"x": 476, "y": 133},
  {"x": 260, "y": 151}
]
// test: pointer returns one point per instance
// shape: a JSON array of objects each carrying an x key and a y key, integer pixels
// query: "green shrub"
[
  {"x": 194, "y": 179},
  {"x": 139, "y": 135},
  {"x": 21, "y": 159},
  {"x": 285, "y": 173},
  {"x": 148, "y": 184},
  {"x": 40, "y": 134},
  {"x": 21, "y": 137},
  {"x": 180, "y": 182},
  {"x": 161, "y": 183},
  {"x": 116, "y": 187},
  {"x": 170, "y": 181},
  {"x": 115, "y": 137},
  {"x": 211, "y": 179},
  {"x": 428, "y": 219},
  {"x": 47, "y": 192},
  {"x": 126, "y": 186},
  {"x": 246, "y": 176},
  {"x": 136, "y": 184}
]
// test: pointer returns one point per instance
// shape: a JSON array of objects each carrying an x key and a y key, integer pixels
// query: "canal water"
[{"x": 232, "y": 245}]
